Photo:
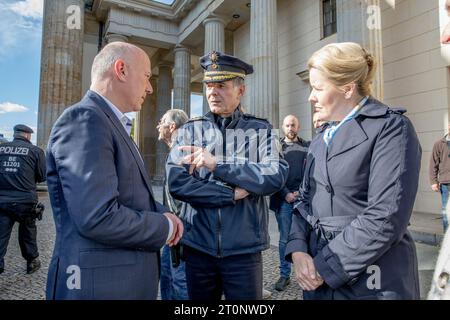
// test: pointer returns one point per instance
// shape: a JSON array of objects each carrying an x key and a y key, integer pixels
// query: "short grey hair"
[
  {"x": 176, "y": 116},
  {"x": 106, "y": 58},
  {"x": 238, "y": 81}
]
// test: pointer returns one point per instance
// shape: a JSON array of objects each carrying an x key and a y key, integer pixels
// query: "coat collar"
[
  {"x": 373, "y": 109},
  {"x": 347, "y": 137},
  {"x": 352, "y": 134},
  {"x": 444, "y": 138},
  {"x": 22, "y": 139},
  {"x": 237, "y": 114},
  {"x": 101, "y": 103}
]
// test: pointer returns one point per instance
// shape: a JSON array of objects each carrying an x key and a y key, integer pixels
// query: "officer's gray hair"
[
  {"x": 106, "y": 58},
  {"x": 238, "y": 82},
  {"x": 176, "y": 116}
]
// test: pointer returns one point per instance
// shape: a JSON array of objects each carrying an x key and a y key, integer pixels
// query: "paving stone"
[{"x": 15, "y": 284}]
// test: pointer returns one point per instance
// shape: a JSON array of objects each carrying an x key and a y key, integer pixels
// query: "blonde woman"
[{"x": 349, "y": 237}]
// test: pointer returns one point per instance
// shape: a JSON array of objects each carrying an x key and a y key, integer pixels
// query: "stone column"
[
  {"x": 367, "y": 32},
  {"x": 214, "y": 34},
  {"x": 164, "y": 99},
  {"x": 182, "y": 79},
  {"x": 61, "y": 62},
  {"x": 113, "y": 37},
  {"x": 264, "y": 90},
  {"x": 214, "y": 41},
  {"x": 147, "y": 129}
]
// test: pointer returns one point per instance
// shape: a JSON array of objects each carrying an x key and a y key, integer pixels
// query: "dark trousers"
[
  {"x": 21, "y": 213},
  {"x": 239, "y": 277}
]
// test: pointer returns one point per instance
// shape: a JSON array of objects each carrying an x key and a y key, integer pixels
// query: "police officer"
[
  {"x": 2, "y": 138},
  {"x": 229, "y": 163},
  {"x": 22, "y": 165}
]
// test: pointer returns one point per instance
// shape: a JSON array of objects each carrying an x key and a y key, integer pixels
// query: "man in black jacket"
[
  {"x": 232, "y": 162},
  {"x": 22, "y": 165},
  {"x": 294, "y": 150}
]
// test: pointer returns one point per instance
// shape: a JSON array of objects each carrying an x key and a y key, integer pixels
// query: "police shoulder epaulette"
[
  {"x": 199, "y": 118},
  {"x": 247, "y": 115},
  {"x": 397, "y": 110}
]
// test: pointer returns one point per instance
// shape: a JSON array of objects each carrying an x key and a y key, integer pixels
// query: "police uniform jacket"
[
  {"x": 214, "y": 222},
  {"x": 355, "y": 204},
  {"x": 22, "y": 165}
]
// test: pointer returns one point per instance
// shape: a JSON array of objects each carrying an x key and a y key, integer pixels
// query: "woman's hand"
[{"x": 305, "y": 271}]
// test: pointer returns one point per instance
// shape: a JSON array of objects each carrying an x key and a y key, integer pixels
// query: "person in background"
[
  {"x": 22, "y": 165},
  {"x": 317, "y": 123},
  {"x": 294, "y": 150},
  {"x": 440, "y": 173},
  {"x": 445, "y": 37},
  {"x": 440, "y": 285},
  {"x": 173, "y": 270}
]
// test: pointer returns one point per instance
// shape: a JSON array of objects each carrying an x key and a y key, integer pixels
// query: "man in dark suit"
[{"x": 109, "y": 228}]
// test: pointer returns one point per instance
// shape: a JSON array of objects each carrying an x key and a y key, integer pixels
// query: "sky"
[
  {"x": 166, "y": 1},
  {"x": 20, "y": 59},
  {"x": 20, "y": 54}
]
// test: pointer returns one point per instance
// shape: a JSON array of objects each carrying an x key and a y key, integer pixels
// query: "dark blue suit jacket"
[{"x": 109, "y": 229}]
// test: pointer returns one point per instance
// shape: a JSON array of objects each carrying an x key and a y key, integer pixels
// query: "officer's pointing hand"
[{"x": 198, "y": 157}]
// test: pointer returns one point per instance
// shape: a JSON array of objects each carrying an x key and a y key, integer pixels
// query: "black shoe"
[
  {"x": 1, "y": 270},
  {"x": 282, "y": 283},
  {"x": 33, "y": 265}
]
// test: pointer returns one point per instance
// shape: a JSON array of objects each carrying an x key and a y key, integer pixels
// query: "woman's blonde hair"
[{"x": 346, "y": 62}]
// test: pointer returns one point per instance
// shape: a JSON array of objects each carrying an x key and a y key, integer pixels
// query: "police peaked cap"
[
  {"x": 220, "y": 67},
  {"x": 23, "y": 128}
]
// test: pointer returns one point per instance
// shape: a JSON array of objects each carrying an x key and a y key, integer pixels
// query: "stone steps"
[{"x": 426, "y": 228}]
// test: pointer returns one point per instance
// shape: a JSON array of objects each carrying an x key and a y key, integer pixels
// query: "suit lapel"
[
  {"x": 347, "y": 137},
  {"x": 129, "y": 142},
  {"x": 321, "y": 162}
]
